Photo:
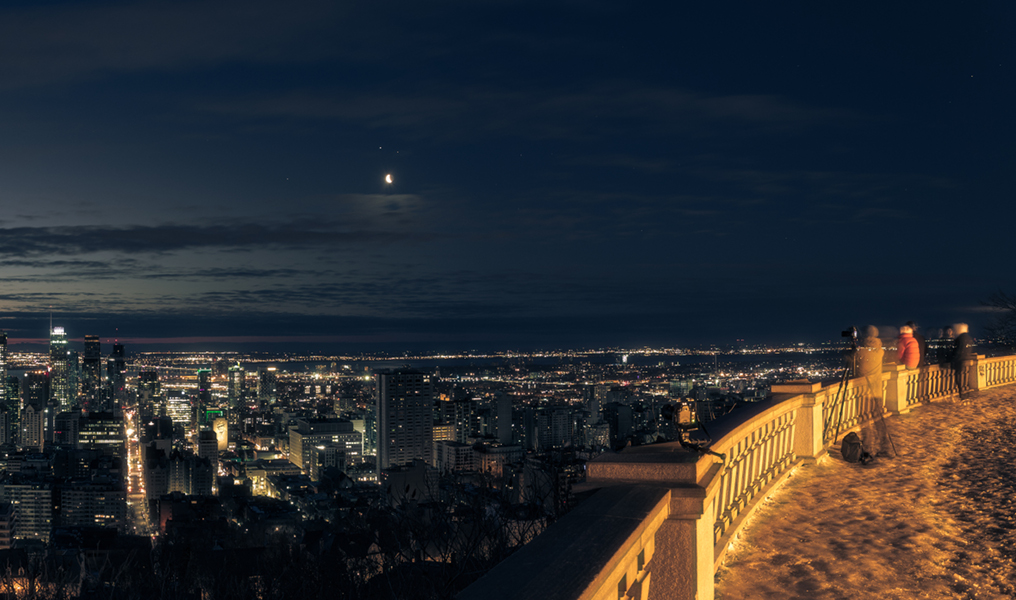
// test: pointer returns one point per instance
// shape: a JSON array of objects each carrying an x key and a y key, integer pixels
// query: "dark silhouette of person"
[
  {"x": 922, "y": 344},
  {"x": 963, "y": 353},
  {"x": 922, "y": 363}
]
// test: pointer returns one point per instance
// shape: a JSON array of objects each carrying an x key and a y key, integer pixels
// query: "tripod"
[
  {"x": 839, "y": 399},
  {"x": 841, "y": 396}
]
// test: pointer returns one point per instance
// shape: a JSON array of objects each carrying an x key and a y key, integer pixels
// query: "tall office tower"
[
  {"x": 3, "y": 369},
  {"x": 8, "y": 404},
  {"x": 91, "y": 372},
  {"x": 267, "y": 381},
  {"x": 149, "y": 394},
  {"x": 13, "y": 388},
  {"x": 370, "y": 431},
  {"x": 59, "y": 383},
  {"x": 34, "y": 395},
  {"x": 235, "y": 384},
  {"x": 35, "y": 390},
  {"x": 405, "y": 418},
  {"x": 204, "y": 399},
  {"x": 33, "y": 428},
  {"x": 178, "y": 407},
  {"x": 461, "y": 413},
  {"x": 74, "y": 377},
  {"x": 116, "y": 375},
  {"x": 208, "y": 448},
  {"x": 592, "y": 403},
  {"x": 504, "y": 417}
]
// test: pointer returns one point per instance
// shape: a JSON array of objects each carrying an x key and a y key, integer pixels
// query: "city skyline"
[{"x": 502, "y": 175}]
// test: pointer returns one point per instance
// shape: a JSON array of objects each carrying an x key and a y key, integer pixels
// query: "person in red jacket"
[{"x": 907, "y": 350}]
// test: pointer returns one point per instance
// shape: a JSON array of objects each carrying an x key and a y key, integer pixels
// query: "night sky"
[{"x": 564, "y": 174}]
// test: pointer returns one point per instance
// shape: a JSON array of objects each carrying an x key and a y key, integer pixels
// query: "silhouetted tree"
[{"x": 1003, "y": 322}]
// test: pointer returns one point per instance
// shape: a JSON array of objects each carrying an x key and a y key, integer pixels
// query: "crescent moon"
[{"x": 388, "y": 178}]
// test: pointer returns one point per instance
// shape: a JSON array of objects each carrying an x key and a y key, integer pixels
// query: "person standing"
[
  {"x": 922, "y": 363},
  {"x": 963, "y": 353},
  {"x": 922, "y": 344},
  {"x": 868, "y": 364},
  {"x": 907, "y": 350}
]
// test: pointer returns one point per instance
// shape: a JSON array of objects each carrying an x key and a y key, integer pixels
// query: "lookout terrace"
[{"x": 776, "y": 513}]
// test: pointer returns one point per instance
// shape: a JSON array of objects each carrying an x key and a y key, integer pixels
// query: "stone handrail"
[{"x": 675, "y": 537}]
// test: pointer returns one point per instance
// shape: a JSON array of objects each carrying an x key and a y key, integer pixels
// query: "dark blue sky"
[{"x": 571, "y": 173}]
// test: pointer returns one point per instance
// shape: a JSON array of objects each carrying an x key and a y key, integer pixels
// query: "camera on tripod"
[{"x": 850, "y": 333}]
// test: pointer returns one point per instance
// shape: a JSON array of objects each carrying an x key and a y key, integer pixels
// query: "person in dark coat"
[
  {"x": 963, "y": 353},
  {"x": 922, "y": 363},
  {"x": 922, "y": 344}
]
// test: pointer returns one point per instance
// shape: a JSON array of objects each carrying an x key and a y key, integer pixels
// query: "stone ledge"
[{"x": 569, "y": 557}]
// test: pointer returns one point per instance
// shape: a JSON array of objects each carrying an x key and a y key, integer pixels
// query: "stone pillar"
[
  {"x": 684, "y": 545},
  {"x": 896, "y": 389},
  {"x": 808, "y": 433},
  {"x": 978, "y": 373},
  {"x": 809, "y": 430},
  {"x": 683, "y": 559}
]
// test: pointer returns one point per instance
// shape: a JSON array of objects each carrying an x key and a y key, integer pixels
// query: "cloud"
[
  {"x": 389, "y": 221},
  {"x": 54, "y": 44},
  {"x": 453, "y": 111}
]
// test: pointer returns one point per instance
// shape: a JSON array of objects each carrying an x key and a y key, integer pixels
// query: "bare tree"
[{"x": 1003, "y": 323}]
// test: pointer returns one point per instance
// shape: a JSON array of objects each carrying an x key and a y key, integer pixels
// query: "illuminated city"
[
  {"x": 505, "y": 300},
  {"x": 288, "y": 446}
]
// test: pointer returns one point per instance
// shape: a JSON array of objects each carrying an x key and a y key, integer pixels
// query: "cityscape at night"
[
  {"x": 255, "y": 453},
  {"x": 508, "y": 299},
  {"x": 148, "y": 460}
]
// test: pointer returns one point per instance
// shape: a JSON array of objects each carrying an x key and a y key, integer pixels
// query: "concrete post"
[
  {"x": 683, "y": 559},
  {"x": 808, "y": 442},
  {"x": 683, "y": 563},
  {"x": 808, "y": 433},
  {"x": 978, "y": 373},
  {"x": 896, "y": 389}
]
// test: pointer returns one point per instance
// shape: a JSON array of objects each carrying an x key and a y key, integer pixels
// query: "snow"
[{"x": 937, "y": 521}]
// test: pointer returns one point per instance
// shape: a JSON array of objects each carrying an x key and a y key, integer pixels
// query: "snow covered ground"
[{"x": 935, "y": 522}]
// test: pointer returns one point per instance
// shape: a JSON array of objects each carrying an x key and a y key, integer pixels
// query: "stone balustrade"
[{"x": 663, "y": 516}]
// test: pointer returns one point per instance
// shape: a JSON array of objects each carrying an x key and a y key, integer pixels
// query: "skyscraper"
[
  {"x": 8, "y": 404},
  {"x": 59, "y": 387},
  {"x": 204, "y": 399},
  {"x": 235, "y": 386},
  {"x": 91, "y": 372},
  {"x": 504, "y": 417},
  {"x": 404, "y": 418},
  {"x": 149, "y": 394},
  {"x": 3, "y": 368},
  {"x": 116, "y": 375},
  {"x": 267, "y": 380}
]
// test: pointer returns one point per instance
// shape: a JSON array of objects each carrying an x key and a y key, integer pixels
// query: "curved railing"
[
  {"x": 697, "y": 503},
  {"x": 1000, "y": 370}
]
